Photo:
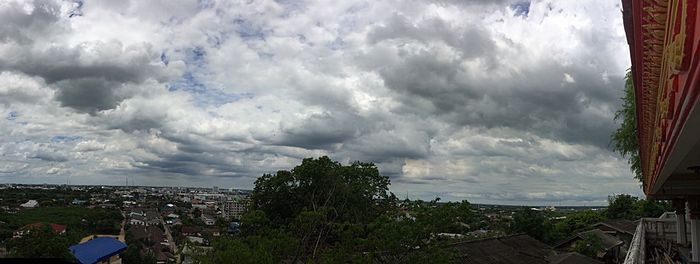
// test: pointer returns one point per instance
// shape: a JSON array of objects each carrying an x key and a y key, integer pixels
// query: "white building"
[
  {"x": 30, "y": 204},
  {"x": 234, "y": 209}
]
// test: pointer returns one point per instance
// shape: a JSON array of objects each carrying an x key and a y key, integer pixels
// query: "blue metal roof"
[{"x": 97, "y": 249}]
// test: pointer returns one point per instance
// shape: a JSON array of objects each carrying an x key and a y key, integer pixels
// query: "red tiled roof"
[{"x": 58, "y": 228}]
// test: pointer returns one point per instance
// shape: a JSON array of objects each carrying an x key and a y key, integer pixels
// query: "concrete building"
[{"x": 235, "y": 208}]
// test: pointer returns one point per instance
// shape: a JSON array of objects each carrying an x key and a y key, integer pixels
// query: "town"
[{"x": 156, "y": 222}]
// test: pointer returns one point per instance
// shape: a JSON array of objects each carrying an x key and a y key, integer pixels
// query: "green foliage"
[
  {"x": 133, "y": 255},
  {"x": 42, "y": 243},
  {"x": 534, "y": 223},
  {"x": 653, "y": 208},
  {"x": 272, "y": 248},
  {"x": 457, "y": 218},
  {"x": 576, "y": 222},
  {"x": 100, "y": 221},
  {"x": 590, "y": 245},
  {"x": 351, "y": 191},
  {"x": 625, "y": 137},
  {"x": 325, "y": 212},
  {"x": 622, "y": 206},
  {"x": 629, "y": 207}
]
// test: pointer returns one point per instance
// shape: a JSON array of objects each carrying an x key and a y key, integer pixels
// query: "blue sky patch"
[
  {"x": 337, "y": 44},
  {"x": 164, "y": 58},
  {"x": 204, "y": 95},
  {"x": 521, "y": 8},
  {"x": 248, "y": 31},
  {"x": 12, "y": 116},
  {"x": 78, "y": 10}
]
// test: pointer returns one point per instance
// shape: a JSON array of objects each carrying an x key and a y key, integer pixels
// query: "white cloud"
[{"x": 450, "y": 99}]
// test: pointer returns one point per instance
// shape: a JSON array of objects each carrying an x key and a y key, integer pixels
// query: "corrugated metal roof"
[{"x": 97, "y": 249}]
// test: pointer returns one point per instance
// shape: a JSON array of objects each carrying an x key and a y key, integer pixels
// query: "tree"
[
  {"x": 534, "y": 223},
  {"x": 653, "y": 208},
  {"x": 42, "y": 242},
  {"x": 622, "y": 206},
  {"x": 576, "y": 221},
  {"x": 351, "y": 191},
  {"x": 590, "y": 245},
  {"x": 625, "y": 137},
  {"x": 325, "y": 212}
]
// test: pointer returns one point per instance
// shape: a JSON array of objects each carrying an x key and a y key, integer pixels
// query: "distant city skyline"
[{"x": 498, "y": 102}]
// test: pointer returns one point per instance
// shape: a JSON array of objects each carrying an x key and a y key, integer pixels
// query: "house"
[
  {"x": 211, "y": 232},
  {"x": 612, "y": 250},
  {"x": 172, "y": 216},
  {"x": 57, "y": 228},
  {"x": 98, "y": 250},
  {"x": 195, "y": 239},
  {"x": 152, "y": 218},
  {"x": 572, "y": 258},
  {"x": 138, "y": 232},
  {"x": 155, "y": 235},
  {"x": 623, "y": 229},
  {"x": 208, "y": 220},
  {"x": 137, "y": 220},
  {"x": 136, "y": 213},
  {"x": 30, "y": 204},
  {"x": 76, "y": 201},
  {"x": 190, "y": 231},
  {"x": 513, "y": 249},
  {"x": 173, "y": 222}
]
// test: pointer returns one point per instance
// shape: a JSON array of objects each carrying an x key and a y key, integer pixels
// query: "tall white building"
[{"x": 235, "y": 208}]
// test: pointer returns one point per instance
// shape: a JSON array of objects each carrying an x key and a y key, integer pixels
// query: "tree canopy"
[
  {"x": 324, "y": 212},
  {"x": 632, "y": 208},
  {"x": 625, "y": 137}
]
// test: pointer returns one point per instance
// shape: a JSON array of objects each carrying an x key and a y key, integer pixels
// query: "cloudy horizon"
[{"x": 505, "y": 102}]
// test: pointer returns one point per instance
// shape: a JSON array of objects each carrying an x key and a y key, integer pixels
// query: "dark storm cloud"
[
  {"x": 50, "y": 155},
  {"x": 88, "y": 77},
  {"x": 546, "y": 105},
  {"x": 18, "y": 26},
  {"x": 471, "y": 41},
  {"x": 322, "y": 131}
]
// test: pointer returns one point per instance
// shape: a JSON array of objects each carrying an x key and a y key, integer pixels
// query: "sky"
[{"x": 506, "y": 102}]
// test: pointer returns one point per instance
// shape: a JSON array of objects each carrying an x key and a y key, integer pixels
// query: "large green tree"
[
  {"x": 534, "y": 223},
  {"x": 325, "y": 212},
  {"x": 625, "y": 137},
  {"x": 630, "y": 207},
  {"x": 42, "y": 242},
  {"x": 349, "y": 193}
]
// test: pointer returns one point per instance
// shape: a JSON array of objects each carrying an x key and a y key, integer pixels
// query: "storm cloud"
[{"x": 490, "y": 101}]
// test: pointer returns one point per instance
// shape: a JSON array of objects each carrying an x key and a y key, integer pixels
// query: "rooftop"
[
  {"x": 97, "y": 249},
  {"x": 515, "y": 249}
]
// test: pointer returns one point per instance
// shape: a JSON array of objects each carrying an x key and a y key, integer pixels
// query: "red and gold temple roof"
[{"x": 663, "y": 47}]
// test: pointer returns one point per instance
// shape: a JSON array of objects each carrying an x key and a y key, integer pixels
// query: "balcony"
[{"x": 656, "y": 241}]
